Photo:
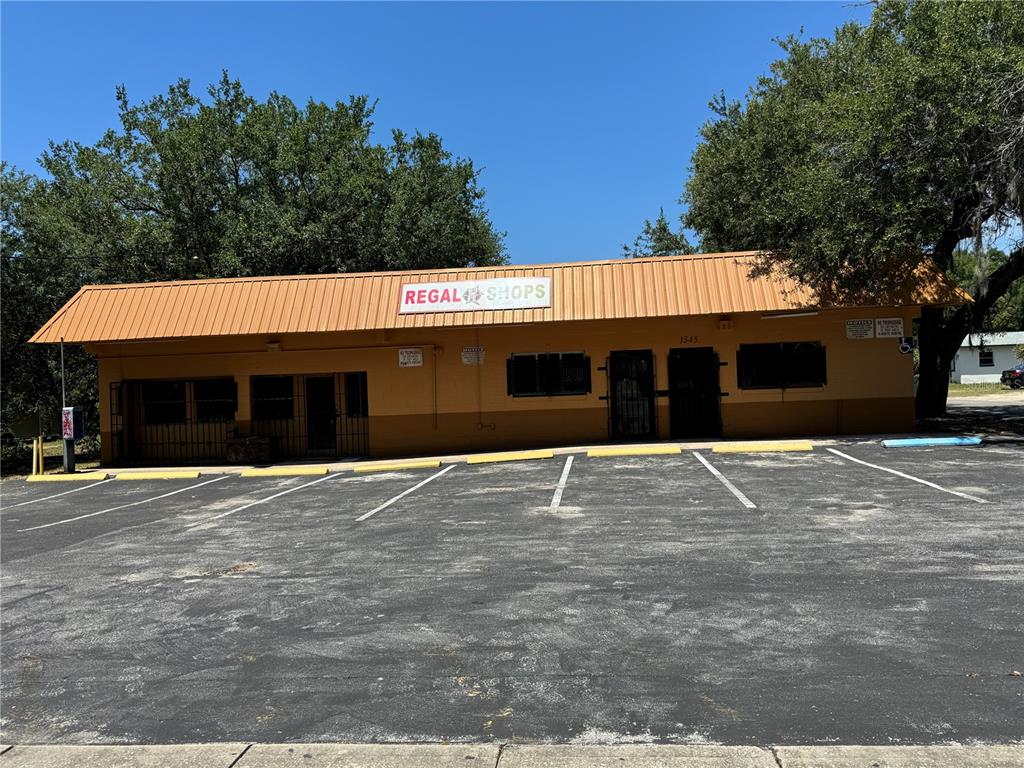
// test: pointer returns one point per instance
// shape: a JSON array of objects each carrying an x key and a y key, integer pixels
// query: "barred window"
[
  {"x": 356, "y": 403},
  {"x": 163, "y": 402},
  {"x": 216, "y": 399},
  {"x": 783, "y": 365},
  {"x": 986, "y": 358},
  {"x": 542, "y": 375},
  {"x": 273, "y": 397}
]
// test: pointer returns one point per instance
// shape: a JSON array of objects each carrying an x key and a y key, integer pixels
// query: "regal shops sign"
[{"x": 472, "y": 295}]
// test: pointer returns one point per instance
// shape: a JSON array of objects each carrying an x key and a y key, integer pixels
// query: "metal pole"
[
  {"x": 69, "y": 443},
  {"x": 63, "y": 389}
]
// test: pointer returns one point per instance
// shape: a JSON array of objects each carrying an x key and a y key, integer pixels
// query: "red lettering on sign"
[
  {"x": 433, "y": 295},
  {"x": 410, "y": 297},
  {"x": 421, "y": 296},
  {"x": 455, "y": 296}
]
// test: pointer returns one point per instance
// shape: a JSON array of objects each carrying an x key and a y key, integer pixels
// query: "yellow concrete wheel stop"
[
  {"x": 284, "y": 471},
  {"x": 777, "y": 446},
  {"x": 175, "y": 475},
  {"x": 489, "y": 458},
  {"x": 394, "y": 466},
  {"x": 63, "y": 477},
  {"x": 635, "y": 450}
]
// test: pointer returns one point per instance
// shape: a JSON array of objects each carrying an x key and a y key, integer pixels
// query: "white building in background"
[{"x": 982, "y": 357}]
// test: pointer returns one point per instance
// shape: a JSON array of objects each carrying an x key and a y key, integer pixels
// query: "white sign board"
[
  {"x": 472, "y": 355},
  {"x": 860, "y": 329},
  {"x": 410, "y": 358},
  {"x": 471, "y": 295},
  {"x": 889, "y": 327}
]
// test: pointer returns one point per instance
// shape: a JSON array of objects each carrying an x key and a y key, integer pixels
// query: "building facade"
[
  {"x": 392, "y": 364},
  {"x": 983, "y": 357}
]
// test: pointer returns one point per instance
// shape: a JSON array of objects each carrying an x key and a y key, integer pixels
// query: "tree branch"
[{"x": 969, "y": 316}]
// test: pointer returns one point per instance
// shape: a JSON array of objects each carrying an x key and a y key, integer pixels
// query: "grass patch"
[{"x": 966, "y": 390}]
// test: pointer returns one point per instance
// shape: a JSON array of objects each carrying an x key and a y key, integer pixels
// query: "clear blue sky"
[{"x": 581, "y": 116}]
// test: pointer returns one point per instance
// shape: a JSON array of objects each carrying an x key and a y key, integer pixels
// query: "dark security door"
[
  {"x": 693, "y": 393},
  {"x": 631, "y": 394},
  {"x": 321, "y": 414}
]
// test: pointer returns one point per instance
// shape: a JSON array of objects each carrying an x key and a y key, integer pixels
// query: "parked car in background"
[{"x": 1014, "y": 377}]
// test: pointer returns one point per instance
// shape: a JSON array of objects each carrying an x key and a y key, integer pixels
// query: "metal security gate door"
[
  {"x": 308, "y": 415},
  {"x": 631, "y": 394},
  {"x": 321, "y": 414},
  {"x": 694, "y": 397}
]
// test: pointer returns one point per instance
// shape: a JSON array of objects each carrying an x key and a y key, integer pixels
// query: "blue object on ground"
[{"x": 930, "y": 442}]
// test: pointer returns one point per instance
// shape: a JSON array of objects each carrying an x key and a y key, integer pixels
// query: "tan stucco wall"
[{"x": 446, "y": 405}]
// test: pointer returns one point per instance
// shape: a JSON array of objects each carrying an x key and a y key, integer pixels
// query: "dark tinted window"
[
  {"x": 216, "y": 399},
  {"x": 782, "y": 365},
  {"x": 163, "y": 402},
  {"x": 272, "y": 397},
  {"x": 356, "y": 405},
  {"x": 558, "y": 373}
]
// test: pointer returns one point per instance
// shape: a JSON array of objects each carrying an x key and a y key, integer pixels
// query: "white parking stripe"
[
  {"x": 264, "y": 501},
  {"x": 909, "y": 477},
  {"x": 725, "y": 481},
  {"x": 63, "y": 493},
  {"x": 403, "y": 494},
  {"x": 125, "y": 506},
  {"x": 557, "y": 498}
]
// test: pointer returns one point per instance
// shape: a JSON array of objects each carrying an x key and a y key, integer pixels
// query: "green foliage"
[
  {"x": 1007, "y": 312},
  {"x": 226, "y": 185},
  {"x": 863, "y": 154},
  {"x": 658, "y": 239}
]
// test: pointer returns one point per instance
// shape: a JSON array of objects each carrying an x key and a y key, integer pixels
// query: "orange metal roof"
[{"x": 666, "y": 286}]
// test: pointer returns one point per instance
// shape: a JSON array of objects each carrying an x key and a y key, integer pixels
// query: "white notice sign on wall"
[
  {"x": 472, "y": 295},
  {"x": 411, "y": 357},
  {"x": 860, "y": 329},
  {"x": 472, "y": 355},
  {"x": 889, "y": 327}
]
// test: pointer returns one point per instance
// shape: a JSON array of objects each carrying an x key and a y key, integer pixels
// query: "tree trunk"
[
  {"x": 939, "y": 337},
  {"x": 933, "y": 367}
]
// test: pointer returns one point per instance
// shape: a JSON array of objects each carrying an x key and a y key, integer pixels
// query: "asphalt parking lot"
[{"x": 797, "y": 598}]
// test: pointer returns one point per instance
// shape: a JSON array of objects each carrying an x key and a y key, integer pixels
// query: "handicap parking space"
[{"x": 635, "y": 597}]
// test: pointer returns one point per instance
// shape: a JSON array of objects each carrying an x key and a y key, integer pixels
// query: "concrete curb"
[
  {"x": 426, "y": 462},
  {"x": 242, "y": 755}
]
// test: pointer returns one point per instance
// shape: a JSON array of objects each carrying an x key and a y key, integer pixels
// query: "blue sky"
[{"x": 582, "y": 117}]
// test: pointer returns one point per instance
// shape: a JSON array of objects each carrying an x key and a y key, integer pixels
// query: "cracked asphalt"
[{"x": 851, "y": 605}]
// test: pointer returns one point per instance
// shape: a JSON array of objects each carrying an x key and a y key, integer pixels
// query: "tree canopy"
[
  {"x": 862, "y": 155},
  {"x": 657, "y": 239},
  {"x": 219, "y": 186}
]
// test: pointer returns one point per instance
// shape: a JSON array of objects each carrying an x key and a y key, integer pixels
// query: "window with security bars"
[
  {"x": 216, "y": 399},
  {"x": 163, "y": 402},
  {"x": 548, "y": 374},
  {"x": 986, "y": 359},
  {"x": 356, "y": 402},
  {"x": 273, "y": 397},
  {"x": 783, "y": 365}
]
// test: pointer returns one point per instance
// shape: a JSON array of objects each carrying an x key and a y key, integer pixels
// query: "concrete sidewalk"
[{"x": 240, "y": 755}]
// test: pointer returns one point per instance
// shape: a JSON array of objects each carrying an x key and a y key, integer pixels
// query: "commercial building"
[
  {"x": 401, "y": 363},
  {"x": 983, "y": 357}
]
